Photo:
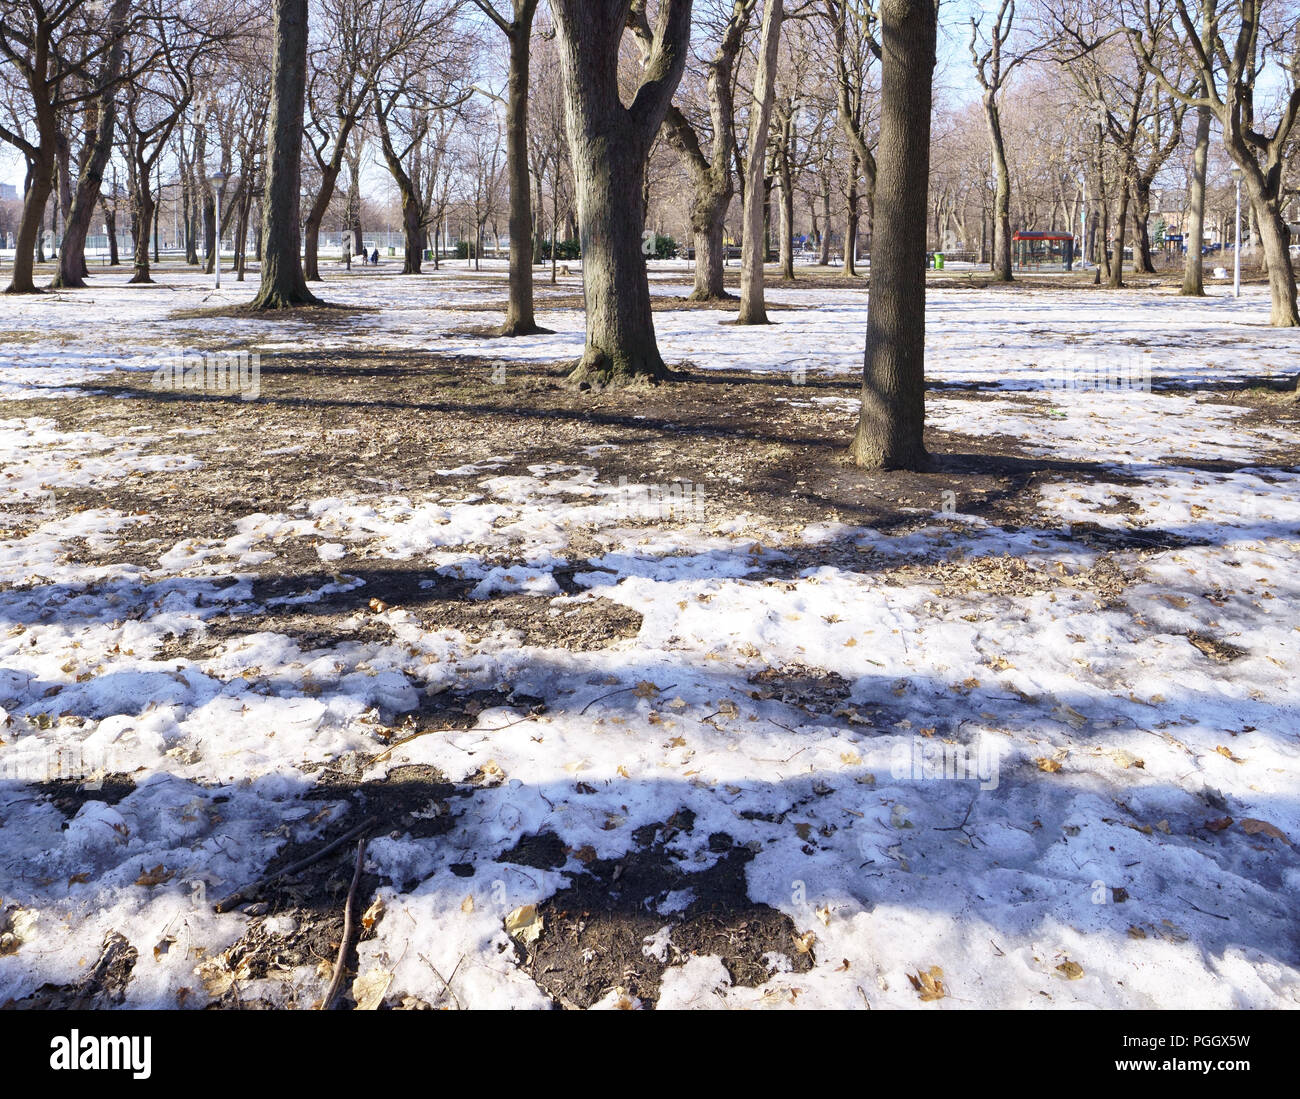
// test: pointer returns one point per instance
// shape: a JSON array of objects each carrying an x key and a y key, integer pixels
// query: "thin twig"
[
  {"x": 621, "y": 690},
  {"x": 240, "y": 895},
  {"x": 349, "y": 921},
  {"x": 1203, "y": 912},
  {"x": 425, "y": 732}
]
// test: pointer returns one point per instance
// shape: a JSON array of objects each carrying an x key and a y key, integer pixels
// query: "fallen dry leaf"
[
  {"x": 373, "y": 914},
  {"x": 1253, "y": 827},
  {"x": 157, "y": 876},
  {"x": 524, "y": 923},
  {"x": 1072, "y": 971},
  {"x": 929, "y": 983},
  {"x": 369, "y": 988}
]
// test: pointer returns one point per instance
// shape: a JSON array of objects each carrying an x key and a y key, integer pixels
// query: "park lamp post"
[
  {"x": 1236, "y": 259},
  {"x": 217, "y": 178}
]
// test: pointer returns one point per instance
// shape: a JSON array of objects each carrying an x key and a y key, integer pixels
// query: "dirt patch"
[{"x": 606, "y": 930}]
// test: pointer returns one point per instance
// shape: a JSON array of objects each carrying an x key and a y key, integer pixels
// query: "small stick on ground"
[
  {"x": 241, "y": 895},
  {"x": 349, "y": 921}
]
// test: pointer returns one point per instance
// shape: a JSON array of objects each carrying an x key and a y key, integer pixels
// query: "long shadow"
[{"x": 738, "y": 870}]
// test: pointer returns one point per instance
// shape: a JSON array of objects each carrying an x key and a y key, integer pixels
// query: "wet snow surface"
[{"x": 1059, "y": 794}]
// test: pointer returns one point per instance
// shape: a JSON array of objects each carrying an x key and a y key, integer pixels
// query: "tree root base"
[
  {"x": 510, "y": 331},
  {"x": 599, "y": 371},
  {"x": 275, "y": 300}
]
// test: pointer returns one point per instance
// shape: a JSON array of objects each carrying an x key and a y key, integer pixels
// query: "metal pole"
[{"x": 1236, "y": 260}]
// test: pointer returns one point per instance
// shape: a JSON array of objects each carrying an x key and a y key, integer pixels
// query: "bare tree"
[
  {"x": 283, "y": 285},
  {"x": 609, "y": 144},
  {"x": 1229, "y": 44},
  {"x": 753, "y": 254},
  {"x": 61, "y": 57},
  {"x": 994, "y": 64},
  {"x": 856, "y": 47},
  {"x": 708, "y": 162},
  {"x": 520, "y": 320},
  {"x": 891, "y": 426}
]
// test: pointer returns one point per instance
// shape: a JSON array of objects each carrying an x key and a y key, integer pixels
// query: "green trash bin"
[
  {"x": 938, "y": 261},
  {"x": 392, "y": 250}
]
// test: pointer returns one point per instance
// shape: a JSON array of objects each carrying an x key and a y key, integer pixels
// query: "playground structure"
[{"x": 1043, "y": 250}]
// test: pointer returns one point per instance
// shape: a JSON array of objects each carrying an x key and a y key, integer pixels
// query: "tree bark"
[
  {"x": 316, "y": 217},
  {"x": 786, "y": 178},
  {"x": 520, "y": 320},
  {"x": 824, "y": 256},
  {"x": 1275, "y": 237},
  {"x": 1121, "y": 230},
  {"x": 1194, "y": 234},
  {"x": 851, "y": 220},
  {"x": 30, "y": 224},
  {"x": 1002, "y": 194},
  {"x": 891, "y": 425},
  {"x": 143, "y": 204},
  {"x": 609, "y": 144},
  {"x": 283, "y": 285},
  {"x": 753, "y": 252}
]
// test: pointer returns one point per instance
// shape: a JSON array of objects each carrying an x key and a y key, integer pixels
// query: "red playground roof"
[{"x": 1020, "y": 235}]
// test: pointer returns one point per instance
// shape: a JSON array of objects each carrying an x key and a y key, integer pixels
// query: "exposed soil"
[{"x": 369, "y": 422}]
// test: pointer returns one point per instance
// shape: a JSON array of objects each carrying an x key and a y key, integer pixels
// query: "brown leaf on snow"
[
  {"x": 373, "y": 914},
  {"x": 1254, "y": 827},
  {"x": 929, "y": 983},
  {"x": 1218, "y": 825},
  {"x": 157, "y": 876},
  {"x": 1072, "y": 971},
  {"x": 1051, "y": 766},
  {"x": 645, "y": 689}
]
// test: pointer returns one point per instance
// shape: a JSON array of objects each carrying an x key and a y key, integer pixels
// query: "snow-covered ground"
[{"x": 1063, "y": 770}]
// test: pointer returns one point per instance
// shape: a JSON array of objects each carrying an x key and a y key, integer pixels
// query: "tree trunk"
[
  {"x": 609, "y": 144},
  {"x": 891, "y": 426},
  {"x": 72, "y": 257},
  {"x": 519, "y": 309},
  {"x": 709, "y": 254},
  {"x": 1142, "y": 259},
  {"x": 29, "y": 226},
  {"x": 110, "y": 224},
  {"x": 753, "y": 309},
  {"x": 1002, "y": 195},
  {"x": 787, "y": 218},
  {"x": 1275, "y": 237},
  {"x": 282, "y": 282},
  {"x": 851, "y": 222},
  {"x": 144, "y": 207},
  {"x": 1121, "y": 230},
  {"x": 824, "y": 256},
  {"x": 316, "y": 217},
  {"x": 211, "y": 230},
  {"x": 1194, "y": 232},
  {"x": 620, "y": 345}
]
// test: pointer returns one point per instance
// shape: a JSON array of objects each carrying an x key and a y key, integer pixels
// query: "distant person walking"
[{"x": 374, "y": 258}]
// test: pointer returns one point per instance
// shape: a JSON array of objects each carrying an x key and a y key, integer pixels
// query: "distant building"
[{"x": 8, "y": 190}]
